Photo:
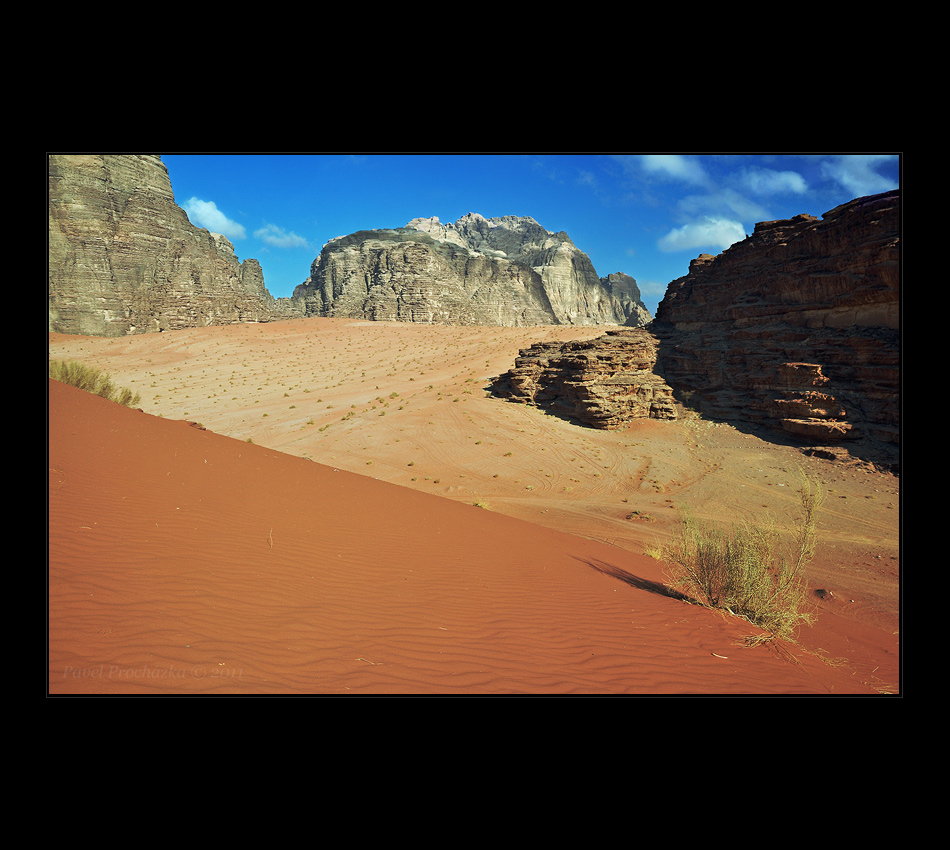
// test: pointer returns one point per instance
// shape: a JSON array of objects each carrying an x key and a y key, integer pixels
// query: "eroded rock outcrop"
[
  {"x": 506, "y": 271},
  {"x": 604, "y": 382},
  {"x": 125, "y": 259},
  {"x": 795, "y": 329}
]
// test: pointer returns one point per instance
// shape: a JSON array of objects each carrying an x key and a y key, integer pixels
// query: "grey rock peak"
[
  {"x": 499, "y": 271},
  {"x": 509, "y": 236}
]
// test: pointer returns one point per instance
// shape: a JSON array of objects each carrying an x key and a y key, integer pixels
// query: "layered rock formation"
[
  {"x": 506, "y": 271},
  {"x": 796, "y": 329},
  {"x": 603, "y": 383},
  {"x": 125, "y": 259}
]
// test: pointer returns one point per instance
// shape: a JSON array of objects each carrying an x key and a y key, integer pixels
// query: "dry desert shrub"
[
  {"x": 91, "y": 380},
  {"x": 748, "y": 570}
]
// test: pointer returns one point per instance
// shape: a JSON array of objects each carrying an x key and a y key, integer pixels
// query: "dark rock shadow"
[{"x": 701, "y": 400}]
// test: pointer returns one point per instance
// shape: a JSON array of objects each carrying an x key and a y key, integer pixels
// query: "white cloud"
[
  {"x": 719, "y": 204},
  {"x": 280, "y": 238},
  {"x": 711, "y": 232},
  {"x": 766, "y": 181},
  {"x": 857, "y": 173},
  {"x": 652, "y": 289},
  {"x": 675, "y": 166},
  {"x": 206, "y": 214}
]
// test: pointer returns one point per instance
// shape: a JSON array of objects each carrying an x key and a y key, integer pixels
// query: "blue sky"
[{"x": 646, "y": 215}]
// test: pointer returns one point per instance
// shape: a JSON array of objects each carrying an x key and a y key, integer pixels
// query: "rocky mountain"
[
  {"x": 506, "y": 271},
  {"x": 125, "y": 259},
  {"x": 624, "y": 288},
  {"x": 795, "y": 329}
]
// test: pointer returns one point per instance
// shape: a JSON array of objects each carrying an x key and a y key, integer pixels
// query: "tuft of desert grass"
[
  {"x": 748, "y": 570},
  {"x": 91, "y": 380}
]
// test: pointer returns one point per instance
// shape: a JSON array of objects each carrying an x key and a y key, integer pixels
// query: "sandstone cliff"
[
  {"x": 124, "y": 259},
  {"x": 505, "y": 271},
  {"x": 795, "y": 329}
]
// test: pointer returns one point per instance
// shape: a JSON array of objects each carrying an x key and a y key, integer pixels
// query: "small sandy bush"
[
  {"x": 748, "y": 571},
  {"x": 91, "y": 380}
]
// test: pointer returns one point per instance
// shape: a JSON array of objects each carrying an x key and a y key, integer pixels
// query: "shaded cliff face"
[
  {"x": 795, "y": 329},
  {"x": 624, "y": 288},
  {"x": 506, "y": 271},
  {"x": 124, "y": 259}
]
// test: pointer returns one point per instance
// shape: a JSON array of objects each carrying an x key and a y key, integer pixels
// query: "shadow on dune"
[{"x": 634, "y": 581}]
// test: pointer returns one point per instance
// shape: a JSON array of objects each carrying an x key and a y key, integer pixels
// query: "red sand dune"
[{"x": 183, "y": 561}]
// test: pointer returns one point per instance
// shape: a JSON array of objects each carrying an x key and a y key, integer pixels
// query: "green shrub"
[
  {"x": 91, "y": 380},
  {"x": 748, "y": 571}
]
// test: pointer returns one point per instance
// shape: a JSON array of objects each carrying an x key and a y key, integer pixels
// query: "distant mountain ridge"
[
  {"x": 506, "y": 271},
  {"x": 125, "y": 259}
]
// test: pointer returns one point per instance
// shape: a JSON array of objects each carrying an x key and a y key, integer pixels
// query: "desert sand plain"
[{"x": 355, "y": 515}]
